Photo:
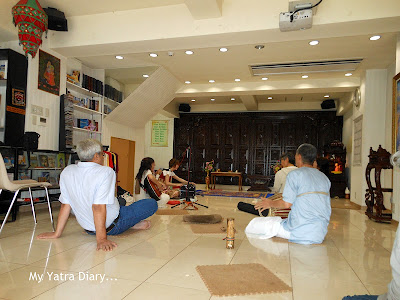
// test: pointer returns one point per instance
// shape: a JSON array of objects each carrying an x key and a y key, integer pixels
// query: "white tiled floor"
[{"x": 160, "y": 263}]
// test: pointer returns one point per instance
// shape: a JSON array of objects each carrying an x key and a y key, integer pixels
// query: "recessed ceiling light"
[
  {"x": 187, "y": 82},
  {"x": 237, "y": 79},
  {"x": 193, "y": 100},
  {"x": 119, "y": 57},
  {"x": 189, "y": 52},
  {"x": 259, "y": 47},
  {"x": 264, "y": 78},
  {"x": 145, "y": 75},
  {"x": 375, "y": 38},
  {"x": 313, "y": 43},
  {"x": 304, "y": 76},
  {"x": 348, "y": 74},
  {"x": 269, "y": 98},
  {"x": 326, "y": 96},
  {"x": 223, "y": 49},
  {"x": 211, "y": 81},
  {"x": 233, "y": 99},
  {"x": 153, "y": 54},
  {"x": 212, "y": 99}
]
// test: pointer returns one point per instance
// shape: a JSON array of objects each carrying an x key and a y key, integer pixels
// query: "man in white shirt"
[
  {"x": 287, "y": 162},
  {"x": 88, "y": 188}
]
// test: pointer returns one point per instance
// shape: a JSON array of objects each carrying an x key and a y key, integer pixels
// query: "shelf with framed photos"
[{"x": 39, "y": 165}]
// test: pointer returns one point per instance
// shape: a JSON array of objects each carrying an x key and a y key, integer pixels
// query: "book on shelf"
[
  {"x": 21, "y": 159},
  {"x": 43, "y": 161},
  {"x": 46, "y": 175},
  {"x": 3, "y": 69},
  {"x": 61, "y": 160},
  {"x": 52, "y": 161},
  {"x": 34, "y": 161},
  {"x": 24, "y": 175}
]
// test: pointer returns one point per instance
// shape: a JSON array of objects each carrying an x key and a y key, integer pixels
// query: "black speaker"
[
  {"x": 184, "y": 107},
  {"x": 328, "y": 104},
  {"x": 57, "y": 20}
]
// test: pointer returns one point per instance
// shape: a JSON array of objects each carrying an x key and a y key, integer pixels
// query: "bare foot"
[{"x": 142, "y": 225}]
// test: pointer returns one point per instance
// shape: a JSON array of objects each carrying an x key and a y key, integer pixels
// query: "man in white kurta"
[
  {"x": 287, "y": 162},
  {"x": 307, "y": 194}
]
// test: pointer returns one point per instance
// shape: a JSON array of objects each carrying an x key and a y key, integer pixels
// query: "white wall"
[
  {"x": 161, "y": 155},
  {"x": 48, "y": 134},
  {"x": 375, "y": 107}
]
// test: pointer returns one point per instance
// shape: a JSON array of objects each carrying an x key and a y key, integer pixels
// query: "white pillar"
[{"x": 373, "y": 109}]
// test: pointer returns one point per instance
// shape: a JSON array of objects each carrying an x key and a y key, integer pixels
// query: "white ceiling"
[{"x": 208, "y": 62}]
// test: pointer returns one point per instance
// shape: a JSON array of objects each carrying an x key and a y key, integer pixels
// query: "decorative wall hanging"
[
  {"x": 49, "y": 73},
  {"x": 32, "y": 21},
  {"x": 18, "y": 97}
]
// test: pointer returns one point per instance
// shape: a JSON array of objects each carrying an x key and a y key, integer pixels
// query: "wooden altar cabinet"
[{"x": 378, "y": 160}]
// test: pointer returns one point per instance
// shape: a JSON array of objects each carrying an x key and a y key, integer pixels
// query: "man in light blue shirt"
[{"x": 307, "y": 194}]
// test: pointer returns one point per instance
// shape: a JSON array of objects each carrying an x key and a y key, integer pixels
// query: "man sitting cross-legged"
[
  {"x": 88, "y": 188},
  {"x": 307, "y": 194}
]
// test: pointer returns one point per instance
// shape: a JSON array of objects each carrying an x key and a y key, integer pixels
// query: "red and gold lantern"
[{"x": 32, "y": 21}]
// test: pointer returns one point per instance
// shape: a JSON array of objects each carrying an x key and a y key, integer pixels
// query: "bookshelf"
[{"x": 87, "y": 103}]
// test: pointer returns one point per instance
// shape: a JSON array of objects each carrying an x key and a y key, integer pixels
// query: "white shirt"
[
  {"x": 143, "y": 194},
  {"x": 280, "y": 179},
  {"x": 170, "y": 173},
  {"x": 85, "y": 184}
]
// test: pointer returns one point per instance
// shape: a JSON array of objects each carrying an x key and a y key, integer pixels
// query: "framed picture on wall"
[
  {"x": 159, "y": 134},
  {"x": 49, "y": 73},
  {"x": 396, "y": 114}
]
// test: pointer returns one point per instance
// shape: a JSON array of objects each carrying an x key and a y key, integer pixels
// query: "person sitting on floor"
[
  {"x": 150, "y": 187},
  {"x": 88, "y": 188},
  {"x": 169, "y": 174},
  {"x": 287, "y": 162},
  {"x": 307, "y": 194}
]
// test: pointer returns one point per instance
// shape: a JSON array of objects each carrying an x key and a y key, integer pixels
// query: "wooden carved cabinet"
[
  {"x": 250, "y": 143},
  {"x": 378, "y": 160}
]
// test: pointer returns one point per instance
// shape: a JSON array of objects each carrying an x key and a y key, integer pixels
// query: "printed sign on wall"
[{"x": 159, "y": 134}]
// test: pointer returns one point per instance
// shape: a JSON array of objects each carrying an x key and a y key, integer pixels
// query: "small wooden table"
[{"x": 226, "y": 174}]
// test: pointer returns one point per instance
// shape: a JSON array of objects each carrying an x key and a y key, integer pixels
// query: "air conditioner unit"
[{"x": 301, "y": 20}]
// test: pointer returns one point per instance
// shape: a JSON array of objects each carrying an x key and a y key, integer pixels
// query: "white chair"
[{"x": 17, "y": 185}]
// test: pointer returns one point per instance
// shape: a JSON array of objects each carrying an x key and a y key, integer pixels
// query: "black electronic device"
[
  {"x": 184, "y": 107},
  {"x": 188, "y": 192},
  {"x": 57, "y": 20},
  {"x": 328, "y": 104}
]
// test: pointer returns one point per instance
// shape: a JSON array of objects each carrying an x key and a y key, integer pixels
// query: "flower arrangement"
[
  {"x": 276, "y": 168},
  {"x": 209, "y": 167}
]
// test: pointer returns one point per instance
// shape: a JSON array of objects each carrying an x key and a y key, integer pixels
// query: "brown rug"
[
  {"x": 208, "y": 228},
  {"x": 344, "y": 204},
  {"x": 173, "y": 212},
  {"x": 241, "y": 280}
]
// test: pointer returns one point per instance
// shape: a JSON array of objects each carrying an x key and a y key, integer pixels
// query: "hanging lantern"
[{"x": 32, "y": 21}]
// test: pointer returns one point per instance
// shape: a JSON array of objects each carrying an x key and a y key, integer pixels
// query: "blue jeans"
[
  {"x": 361, "y": 297},
  {"x": 133, "y": 214}
]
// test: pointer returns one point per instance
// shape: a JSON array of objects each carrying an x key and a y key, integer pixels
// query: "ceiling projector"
[{"x": 301, "y": 20}]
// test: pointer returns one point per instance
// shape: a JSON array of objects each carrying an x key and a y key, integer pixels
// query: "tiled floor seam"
[
  {"x": 351, "y": 267},
  {"x": 161, "y": 267}
]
